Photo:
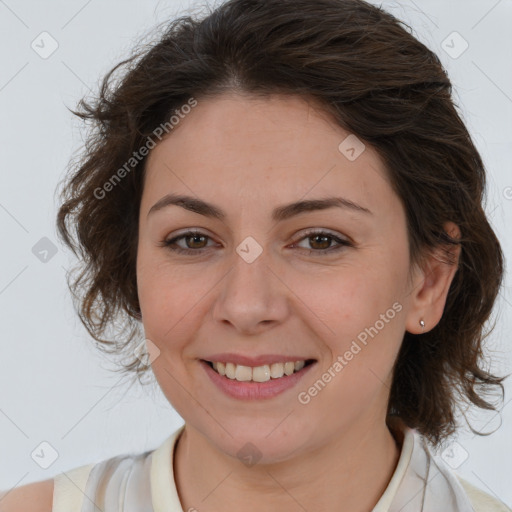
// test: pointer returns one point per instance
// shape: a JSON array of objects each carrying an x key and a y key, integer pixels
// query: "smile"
[
  {"x": 261, "y": 373},
  {"x": 256, "y": 382}
]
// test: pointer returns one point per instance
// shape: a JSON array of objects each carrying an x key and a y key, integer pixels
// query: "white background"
[{"x": 54, "y": 386}]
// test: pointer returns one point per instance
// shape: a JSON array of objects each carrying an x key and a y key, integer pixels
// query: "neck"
[{"x": 353, "y": 469}]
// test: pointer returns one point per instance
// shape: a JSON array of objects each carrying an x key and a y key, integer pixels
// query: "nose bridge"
[{"x": 251, "y": 293}]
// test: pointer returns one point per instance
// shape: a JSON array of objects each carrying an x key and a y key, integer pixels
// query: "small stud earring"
[{"x": 422, "y": 323}]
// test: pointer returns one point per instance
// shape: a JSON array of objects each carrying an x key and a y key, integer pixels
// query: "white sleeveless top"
[{"x": 145, "y": 482}]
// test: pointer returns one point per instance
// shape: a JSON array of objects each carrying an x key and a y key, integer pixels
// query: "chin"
[
  {"x": 260, "y": 441},
  {"x": 261, "y": 450}
]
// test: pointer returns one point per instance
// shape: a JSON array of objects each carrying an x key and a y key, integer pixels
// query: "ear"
[{"x": 431, "y": 284}]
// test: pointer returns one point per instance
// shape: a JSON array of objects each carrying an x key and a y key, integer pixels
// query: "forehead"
[{"x": 262, "y": 150}]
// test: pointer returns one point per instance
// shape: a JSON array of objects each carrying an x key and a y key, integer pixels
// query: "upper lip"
[{"x": 260, "y": 360}]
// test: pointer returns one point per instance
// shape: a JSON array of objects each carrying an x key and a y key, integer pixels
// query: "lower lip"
[{"x": 254, "y": 390}]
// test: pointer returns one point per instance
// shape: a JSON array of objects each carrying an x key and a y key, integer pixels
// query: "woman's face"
[{"x": 257, "y": 285}]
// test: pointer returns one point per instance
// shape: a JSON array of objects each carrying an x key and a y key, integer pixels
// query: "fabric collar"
[{"x": 422, "y": 481}]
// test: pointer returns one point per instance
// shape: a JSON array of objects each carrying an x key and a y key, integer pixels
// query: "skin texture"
[
  {"x": 36, "y": 497},
  {"x": 249, "y": 155}
]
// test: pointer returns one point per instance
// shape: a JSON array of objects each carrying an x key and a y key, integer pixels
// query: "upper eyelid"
[{"x": 302, "y": 234}]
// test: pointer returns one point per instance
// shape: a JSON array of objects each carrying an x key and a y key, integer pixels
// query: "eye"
[
  {"x": 320, "y": 240},
  {"x": 197, "y": 239}
]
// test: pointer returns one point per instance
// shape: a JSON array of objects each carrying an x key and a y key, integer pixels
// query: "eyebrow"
[{"x": 278, "y": 214}]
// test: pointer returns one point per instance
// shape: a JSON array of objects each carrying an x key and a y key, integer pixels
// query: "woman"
[{"x": 283, "y": 196}]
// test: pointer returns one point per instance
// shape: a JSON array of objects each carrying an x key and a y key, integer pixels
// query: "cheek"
[
  {"x": 167, "y": 296},
  {"x": 349, "y": 299},
  {"x": 362, "y": 320},
  {"x": 365, "y": 333}
]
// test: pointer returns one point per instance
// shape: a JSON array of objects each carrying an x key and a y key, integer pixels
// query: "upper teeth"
[{"x": 257, "y": 373}]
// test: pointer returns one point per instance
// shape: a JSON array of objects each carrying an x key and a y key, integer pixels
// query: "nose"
[{"x": 252, "y": 296}]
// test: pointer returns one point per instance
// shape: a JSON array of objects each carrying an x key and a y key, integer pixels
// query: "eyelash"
[{"x": 342, "y": 243}]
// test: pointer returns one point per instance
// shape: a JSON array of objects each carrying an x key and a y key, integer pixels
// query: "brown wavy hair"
[{"x": 366, "y": 69}]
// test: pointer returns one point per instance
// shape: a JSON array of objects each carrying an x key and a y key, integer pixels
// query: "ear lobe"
[{"x": 432, "y": 284}]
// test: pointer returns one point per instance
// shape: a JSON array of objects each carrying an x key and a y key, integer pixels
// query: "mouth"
[{"x": 259, "y": 374}]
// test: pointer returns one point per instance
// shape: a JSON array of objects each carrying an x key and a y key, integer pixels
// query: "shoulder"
[
  {"x": 69, "y": 488},
  {"x": 66, "y": 491},
  {"x": 36, "y": 497},
  {"x": 63, "y": 492},
  {"x": 481, "y": 501}
]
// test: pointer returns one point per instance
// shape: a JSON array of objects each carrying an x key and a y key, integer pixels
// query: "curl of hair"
[{"x": 367, "y": 70}]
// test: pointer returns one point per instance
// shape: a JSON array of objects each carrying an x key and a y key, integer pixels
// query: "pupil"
[
  {"x": 195, "y": 237},
  {"x": 325, "y": 238},
  {"x": 315, "y": 238}
]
